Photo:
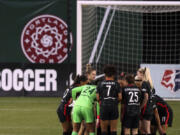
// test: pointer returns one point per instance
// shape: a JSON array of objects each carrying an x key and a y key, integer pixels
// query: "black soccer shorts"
[
  {"x": 166, "y": 118},
  {"x": 131, "y": 121},
  {"x": 63, "y": 113},
  {"x": 109, "y": 112}
]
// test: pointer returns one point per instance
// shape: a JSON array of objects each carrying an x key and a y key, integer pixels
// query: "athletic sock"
[
  {"x": 122, "y": 132},
  {"x": 114, "y": 133},
  {"x": 153, "y": 134},
  {"x": 92, "y": 133},
  {"x": 65, "y": 133},
  {"x": 164, "y": 134},
  {"x": 69, "y": 133},
  {"x": 103, "y": 133},
  {"x": 74, "y": 133}
]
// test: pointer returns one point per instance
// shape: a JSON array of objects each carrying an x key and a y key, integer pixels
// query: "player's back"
[
  {"x": 131, "y": 99},
  {"x": 161, "y": 104},
  {"x": 108, "y": 92},
  {"x": 87, "y": 96},
  {"x": 67, "y": 95},
  {"x": 148, "y": 108}
]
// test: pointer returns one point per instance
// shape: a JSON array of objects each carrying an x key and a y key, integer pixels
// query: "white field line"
[
  {"x": 27, "y": 127},
  {"x": 25, "y": 110},
  {"x": 12, "y": 101}
]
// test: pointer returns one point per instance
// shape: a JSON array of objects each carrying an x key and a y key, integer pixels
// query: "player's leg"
[
  {"x": 122, "y": 130},
  {"x": 146, "y": 126},
  {"x": 113, "y": 126},
  {"x": 168, "y": 121},
  {"x": 127, "y": 124},
  {"x": 153, "y": 126},
  {"x": 64, "y": 120},
  {"x": 164, "y": 118},
  {"x": 82, "y": 128},
  {"x": 98, "y": 130},
  {"x": 122, "y": 125},
  {"x": 77, "y": 119},
  {"x": 104, "y": 126},
  {"x": 141, "y": 127},
  {"x": 88, "y": 116},
  {"x": 67, "y": 127},
  {"x": 90, "y": 128},
  {"x": 134, "y": 131},
  {"x": 127, "y": 131},
  {"x": 135, "y": 124},
  {"x": 153, "y": 129},
  {"x": 104, "y": 119},
  {"x": 114, "y": 115},
  {"x": 76, "y": 127}
]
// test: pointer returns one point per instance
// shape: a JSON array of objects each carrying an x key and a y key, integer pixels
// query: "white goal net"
[{"x": 127, "y": 34}]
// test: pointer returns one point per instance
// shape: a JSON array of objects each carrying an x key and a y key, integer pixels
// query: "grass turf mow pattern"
[{"x": 37, "y": 116}]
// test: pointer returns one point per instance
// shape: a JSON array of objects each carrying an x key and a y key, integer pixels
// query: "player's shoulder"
[
  {"x": 71, "y": 87},
  {"x": 159, "y": 100},
  {"x": 132, "y": 87},
  {"x": 91, "y": 86},
  {"x": 145, "y": 83}
]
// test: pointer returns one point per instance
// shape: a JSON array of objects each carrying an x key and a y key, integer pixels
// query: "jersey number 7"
[{"x": 109, "y": 88}]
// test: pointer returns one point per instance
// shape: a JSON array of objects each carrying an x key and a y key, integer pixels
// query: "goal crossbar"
[{"x": 130, "y": 3}]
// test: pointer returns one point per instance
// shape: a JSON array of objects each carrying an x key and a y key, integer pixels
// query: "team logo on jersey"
[
  {"x": 171, "y": 79},
  {"x": 44, "y": 40}
]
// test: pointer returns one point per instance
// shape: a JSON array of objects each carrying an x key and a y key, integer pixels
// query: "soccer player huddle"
[{"x": 91, "y": 105}]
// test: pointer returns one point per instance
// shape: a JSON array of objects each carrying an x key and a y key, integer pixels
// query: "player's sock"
[
  {"x": 114, "y": 133},
  {"x": 164, "y": 134},
  {"x": 65, "y": 133},
  {"x": 69, "y": 133},
  {"x": 99, "y": 131},
  {"x": 122, "y": 132},
  {"x": 103, "y": 133},
  {"x": 153, "y": 133},
  {"x": 92, "y": 133},
  {"x": 74, "y": 133}
]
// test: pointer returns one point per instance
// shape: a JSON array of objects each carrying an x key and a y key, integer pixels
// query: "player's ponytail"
[
  {"x": 89, "y": 69},
  {"x": 147, "y": 77},
  {"x": 78, "y": 79}
]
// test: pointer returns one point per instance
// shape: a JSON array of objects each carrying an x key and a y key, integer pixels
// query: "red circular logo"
[{"x": 44, "y": 40}]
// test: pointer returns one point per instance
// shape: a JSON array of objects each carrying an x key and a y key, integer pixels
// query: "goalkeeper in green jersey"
[{"x": 84, "y": 108}]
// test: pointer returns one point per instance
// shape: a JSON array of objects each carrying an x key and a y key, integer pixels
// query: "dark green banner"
[{"x": 35, "y": 31}]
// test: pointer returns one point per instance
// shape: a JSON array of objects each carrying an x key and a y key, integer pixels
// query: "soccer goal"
[{"x": 127, "y": 34}]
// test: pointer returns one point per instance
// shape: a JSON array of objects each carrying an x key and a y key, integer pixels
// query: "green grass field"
[{"x": 37, "y": 116}]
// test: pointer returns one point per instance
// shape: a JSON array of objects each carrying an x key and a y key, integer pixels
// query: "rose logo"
[{"x": 44, "y": 40}]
